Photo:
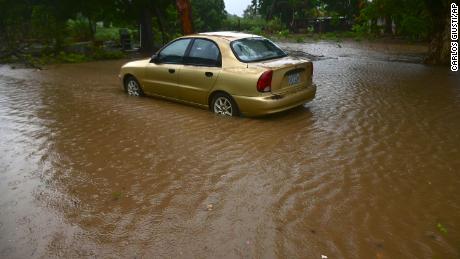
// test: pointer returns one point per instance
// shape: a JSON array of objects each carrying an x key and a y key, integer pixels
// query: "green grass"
[
  {"x": 299, "y": 39},
  {"x": 95, "y": 54}
]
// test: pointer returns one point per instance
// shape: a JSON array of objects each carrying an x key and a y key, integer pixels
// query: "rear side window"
[
  {"x": 204, "y": 53},
  {"x": 256, "y": 49},
  {"x": 174, "y": 52}
]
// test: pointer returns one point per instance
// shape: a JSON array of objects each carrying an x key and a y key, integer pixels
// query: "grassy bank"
[{"x": 38, "y": 61}]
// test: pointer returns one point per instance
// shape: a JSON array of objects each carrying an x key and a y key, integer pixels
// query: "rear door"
[
  {"x": 202, "y": 66},
  {"x": 161, "y": 75}
]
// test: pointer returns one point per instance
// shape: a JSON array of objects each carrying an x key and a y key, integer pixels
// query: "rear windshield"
[{"x": 256, "y": 49}]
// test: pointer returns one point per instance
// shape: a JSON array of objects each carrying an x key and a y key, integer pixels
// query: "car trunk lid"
[{"x": 288, "y": 73}]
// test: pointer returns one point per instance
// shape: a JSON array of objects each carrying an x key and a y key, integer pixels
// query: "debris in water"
[
  {"x": 116, "y": 195},
  {"x": 323, "y": 257},
  {"x": 303, "y": 54},
  {"x": 441, "y": 228}
]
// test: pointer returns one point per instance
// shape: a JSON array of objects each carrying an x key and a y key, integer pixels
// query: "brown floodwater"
[{"x": 369, "y": 169}]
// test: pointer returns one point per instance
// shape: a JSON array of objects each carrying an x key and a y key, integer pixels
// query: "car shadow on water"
[{"x": 302, "y": 111}]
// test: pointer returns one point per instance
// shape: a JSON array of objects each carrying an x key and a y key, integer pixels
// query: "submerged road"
[{"x": 369, "y": 169}]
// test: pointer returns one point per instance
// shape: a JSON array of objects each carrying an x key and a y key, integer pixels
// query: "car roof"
[{"x": 227, "y": 35}]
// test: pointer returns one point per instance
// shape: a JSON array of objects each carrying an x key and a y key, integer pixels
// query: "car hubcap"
[
  {"x": 133, "y": 88},
  {"x": 223, "y": 106}
]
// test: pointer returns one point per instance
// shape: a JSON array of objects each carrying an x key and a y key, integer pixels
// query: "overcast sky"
[{"x": 236, "y": 6}]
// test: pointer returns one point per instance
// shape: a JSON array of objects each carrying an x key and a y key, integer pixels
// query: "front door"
[
  {"x": 162, "y": 79},
  {"x": 161, "y": 75}
]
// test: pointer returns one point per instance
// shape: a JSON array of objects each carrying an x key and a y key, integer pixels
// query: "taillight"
[{"x": 265, "y": 82}]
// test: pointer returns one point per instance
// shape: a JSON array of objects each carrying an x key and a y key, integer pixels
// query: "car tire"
[
  {"x": 224, "y": 105},
  {"x": 132, "y": 87}
]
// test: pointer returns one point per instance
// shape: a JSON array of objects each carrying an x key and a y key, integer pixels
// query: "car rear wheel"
[
  {"x": 223, "y": 104},
  {"x": 133, "y": 88}
]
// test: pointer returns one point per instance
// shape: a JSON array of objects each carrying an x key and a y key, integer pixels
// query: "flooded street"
[{"x": 369, "y": 169}]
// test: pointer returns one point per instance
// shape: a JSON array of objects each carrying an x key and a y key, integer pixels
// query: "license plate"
[{"x": 294, "y": 79}]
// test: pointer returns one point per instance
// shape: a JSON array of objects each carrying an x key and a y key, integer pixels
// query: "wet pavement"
[{"x": 369, "y": 169}]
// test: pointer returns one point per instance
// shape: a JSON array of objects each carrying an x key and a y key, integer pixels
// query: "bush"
[
  {"x": 94, "y": 54},
  {"x": 107, "y": 34},
  {"x": 335, "y": 19},
  {"x": 332, "y": 36},
  {"x": 283, "y": 34},
  {"x": 414, "y": 27},
  {"x": 79, "y": 29},
  {"x": 72, "y": 57},
  {"x": 360, "y": 31},
  {"x": 256, "y": 30},
  {"x": 99, "y": 53},
  {"x": 275, "y": 25}
]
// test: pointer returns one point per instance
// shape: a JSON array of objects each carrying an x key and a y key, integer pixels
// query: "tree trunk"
[
  {"x": 388, "y": 25},
  {"x": 185, "y": 11},
  {"x": 92, "y": 29},
  {"x": 146, "y": 31},
  {"x": 439, "y": 49},
  {"x": 374, "y": 28},
  {"x": 270, "y": 11},
  {"x": 161, "y": 23}
]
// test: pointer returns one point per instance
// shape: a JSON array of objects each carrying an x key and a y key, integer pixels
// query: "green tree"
[
  {"x": 25, "y": 20},
  {"x": 208, "y": 15},
  {"x": 348, "y": 8}
]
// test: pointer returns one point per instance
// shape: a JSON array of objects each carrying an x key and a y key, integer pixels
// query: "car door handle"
[
  {"x": 171, "y": 71},
  {"x": 209, "y": 74}
]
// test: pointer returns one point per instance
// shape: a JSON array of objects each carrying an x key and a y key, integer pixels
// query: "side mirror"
[{"x": 154, "y": 59}]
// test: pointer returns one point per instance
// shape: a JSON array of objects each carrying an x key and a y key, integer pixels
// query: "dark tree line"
[
  {"x": 414, "y": 19},
  {"x": 23, "y": 22},
  {"x": 45, "y": 20}
]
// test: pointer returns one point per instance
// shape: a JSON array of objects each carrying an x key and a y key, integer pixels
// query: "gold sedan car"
[{"x": 227, "y": 72}]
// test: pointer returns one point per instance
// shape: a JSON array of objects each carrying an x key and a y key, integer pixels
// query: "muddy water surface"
[{"x": 369, "y": 169}]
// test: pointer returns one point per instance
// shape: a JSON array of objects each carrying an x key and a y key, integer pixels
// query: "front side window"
[
  {"x": 256, "y": 49},
  {"x": 174, "y": 52},
  {"x": 204, "y": 53}
]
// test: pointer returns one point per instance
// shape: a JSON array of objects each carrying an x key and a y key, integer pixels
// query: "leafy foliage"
[
  {"x": 53, "y": 24},
  {"x": 78, "y": 29},
  {"x": 208, "y": 14},
  {"x": 414, "y": 27},
  {"x": 410, "y": 17}
]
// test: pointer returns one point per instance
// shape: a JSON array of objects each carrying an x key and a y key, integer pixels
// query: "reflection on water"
[{"x": 369, "y": 169}]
